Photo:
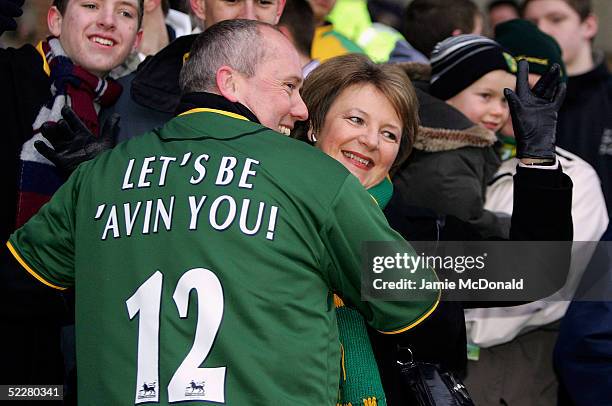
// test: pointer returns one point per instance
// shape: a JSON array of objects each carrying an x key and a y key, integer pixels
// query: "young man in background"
[
  {"x": 585, "y": 119},
  {"x": 69, "y": 68}
]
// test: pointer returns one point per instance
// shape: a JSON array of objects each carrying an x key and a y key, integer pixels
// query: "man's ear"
[
  {"x": 279, "y": 10},
  {"x": 137, "y": 40},
  {"x": 54, "y": 21},
  {"x": 285, "y": 32},
  {"x": 228, "y": 83},
  {"x": 199, "y": 9},
  {"x": 590, "y": 26}
]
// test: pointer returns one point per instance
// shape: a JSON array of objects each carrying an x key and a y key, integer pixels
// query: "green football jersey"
[{"x": 204, "y": 256}]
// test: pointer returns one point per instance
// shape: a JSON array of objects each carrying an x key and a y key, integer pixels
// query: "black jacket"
[
  {"x": 30, "y": 312},
  {"x": 542, "y": 212},
  {"x": 24, "y": 88},
  {"x": 154, "y": 91},
  {"x": 585, "y": 124}
]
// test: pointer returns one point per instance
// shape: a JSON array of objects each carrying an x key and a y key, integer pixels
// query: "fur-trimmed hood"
[
  {"x": 442, "y": 139},
  {"x": 442, "y": 127}
]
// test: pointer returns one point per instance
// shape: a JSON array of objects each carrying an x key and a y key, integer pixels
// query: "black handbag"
[{"x": 427, "y": 385}]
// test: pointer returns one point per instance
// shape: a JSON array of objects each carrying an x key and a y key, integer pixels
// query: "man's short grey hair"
[{"x": 234, "y": 43}]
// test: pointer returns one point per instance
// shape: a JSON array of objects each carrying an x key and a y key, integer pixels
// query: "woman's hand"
[{"x": 534, "y": 114}]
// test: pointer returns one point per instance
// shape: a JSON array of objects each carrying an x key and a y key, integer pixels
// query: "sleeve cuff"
[
  {"x": 25, "y": 266},
  {"x": 547, "y": 167}
]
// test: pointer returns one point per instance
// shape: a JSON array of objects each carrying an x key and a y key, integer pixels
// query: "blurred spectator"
[
  {"x": 521, "y": 338},
  {"x": 583, "y": 353},
  {"x": 180, "y": 5},
  {"x": 160, "y": 26},
  {"x": 350, "y": 17},
  {"x": 327, "y": 41},
  {"x": 502, "y": 10},
  {"x": 297, "y": 23},
  {"x": 9, "y": 10},
  {"x": 428, "y": 22},
  {"x": 155, "y": 33},
  {"x": 178, "y": 23},
  {"x": 585, "y": 120},
  {"x": 30, "y": 26},
  {"x": 379, "y": 41},
  {"x": 387, "y": 12}
]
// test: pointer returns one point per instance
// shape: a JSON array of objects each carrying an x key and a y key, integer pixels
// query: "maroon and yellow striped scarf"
[{"x": 71, "y": 85}]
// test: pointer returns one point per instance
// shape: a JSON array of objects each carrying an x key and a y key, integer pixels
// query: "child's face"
[{"x": 483, "y": 102}]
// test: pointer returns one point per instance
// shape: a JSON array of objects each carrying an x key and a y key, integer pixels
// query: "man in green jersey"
[{"x": 204, "y": 254}]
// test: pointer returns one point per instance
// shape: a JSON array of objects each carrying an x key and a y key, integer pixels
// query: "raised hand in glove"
[
  {"x": 534, "y": 113},
  {"x": 9, "y": 9},
  {"x": 72, "y": 141}
]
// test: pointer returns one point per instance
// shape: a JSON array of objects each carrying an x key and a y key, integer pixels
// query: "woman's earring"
[{"x": 312, "y": 137}]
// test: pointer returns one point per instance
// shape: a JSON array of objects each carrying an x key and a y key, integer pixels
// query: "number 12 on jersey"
[{"x": 189, "y": 382}]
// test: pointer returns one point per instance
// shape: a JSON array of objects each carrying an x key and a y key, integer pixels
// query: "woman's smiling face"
[{"x": 362, "y": 131}]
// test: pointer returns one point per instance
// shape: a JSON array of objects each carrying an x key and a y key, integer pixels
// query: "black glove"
[
  {"x": 534, "y": 112},
  {"x": 72, "y": 141},
  {"x": 9, "y": 9}
]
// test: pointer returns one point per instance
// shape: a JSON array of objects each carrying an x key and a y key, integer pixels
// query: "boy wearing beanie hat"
[
  {"x": 470, "y": 72},
  {"x": 449, "y": 167},
  {"x": 522, "y": 337},
  {"x": 448, "y": 171}
]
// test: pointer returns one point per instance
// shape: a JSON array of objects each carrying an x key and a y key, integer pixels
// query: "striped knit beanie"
[{"x": 459, "y": 61}]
